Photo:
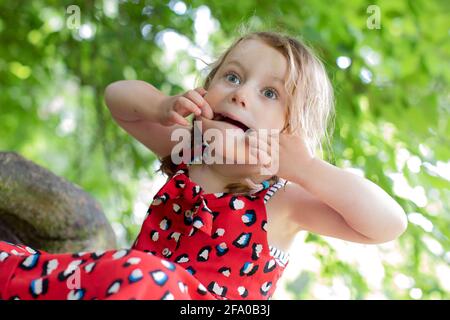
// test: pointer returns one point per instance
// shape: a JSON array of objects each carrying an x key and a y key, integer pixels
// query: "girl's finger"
[
  {"x": 273, "y": 137},
  {"x": 263, "y": 157},
  {"x": 177, "y": 118},
  {"x": 264, "y": 140},
  {"x": 262, "y": 136},
  {"x": 207, "y": 111},
  {"x": 202, "y": 91},
  {"x": 262, "y": 143},
  {"x": 269, "y": 137},
  {"x": 186, "y": 105},
  {"x": 195, "y": 97},
  {"x": 252, "y": 155},
  {"x": 253, "y": 159},
  {"x": 251, "y": 140}
]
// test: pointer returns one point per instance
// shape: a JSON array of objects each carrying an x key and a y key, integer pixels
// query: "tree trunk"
[{"x": 46, "y": 212}]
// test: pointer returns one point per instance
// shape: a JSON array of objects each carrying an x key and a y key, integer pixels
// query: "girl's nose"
[{"x": 239, "y": 98}]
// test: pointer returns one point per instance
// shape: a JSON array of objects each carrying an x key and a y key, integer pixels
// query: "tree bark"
[{"x": 46, "y": 212}]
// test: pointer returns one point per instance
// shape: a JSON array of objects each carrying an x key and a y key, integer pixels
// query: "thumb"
[
  {"x": 202, "y": 91},
  {"x": 207, "y": 111}
]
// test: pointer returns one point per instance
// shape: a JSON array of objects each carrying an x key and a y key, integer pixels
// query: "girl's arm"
[
  {"x": 149, "y": 115},
  {"x": 333, "y": 202},
  {"x": 132, "y": 100}
]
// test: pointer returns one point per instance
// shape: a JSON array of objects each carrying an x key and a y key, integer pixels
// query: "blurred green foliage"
[{"x": 392, "y": 102}]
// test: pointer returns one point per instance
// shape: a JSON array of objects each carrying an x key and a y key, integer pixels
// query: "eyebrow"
[{"x": 242, "y": 67}]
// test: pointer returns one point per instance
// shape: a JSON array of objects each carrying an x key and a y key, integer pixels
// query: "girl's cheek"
[
  {"x": 218, "y": 88},
  {"x": 212, "y": 97}
]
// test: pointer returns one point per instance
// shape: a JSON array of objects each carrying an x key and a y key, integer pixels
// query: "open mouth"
[{"x": 220, "y": 117}]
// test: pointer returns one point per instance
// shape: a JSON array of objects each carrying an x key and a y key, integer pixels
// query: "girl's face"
[{"x": 249, "y": 87}]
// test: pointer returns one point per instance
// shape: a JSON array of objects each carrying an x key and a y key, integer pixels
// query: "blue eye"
[
  {"x": 232, "y": 77},
  {"x": 272, "y": 94}
]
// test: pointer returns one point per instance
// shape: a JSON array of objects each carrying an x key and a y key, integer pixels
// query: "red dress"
[{"x": 192, "y": 245}]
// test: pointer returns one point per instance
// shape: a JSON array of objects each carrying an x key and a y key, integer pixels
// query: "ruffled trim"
[{"x": 196, "y": 214}]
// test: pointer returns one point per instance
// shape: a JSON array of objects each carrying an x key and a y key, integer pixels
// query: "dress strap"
[
  {"x": 281, "y": 257},
  {"x": 274, "y": 188}
]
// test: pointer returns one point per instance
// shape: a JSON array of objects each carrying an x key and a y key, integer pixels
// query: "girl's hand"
[
  {"x": 294, "y": 156},
  {"x": 176, "y": 108},
  {"x": 279, "y": 154},
  {"x": 254, "y": 151},
  {"x": 259, "y": 147}
]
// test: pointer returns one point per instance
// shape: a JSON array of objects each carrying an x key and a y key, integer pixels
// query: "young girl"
[{"x": 217, "y": 230}]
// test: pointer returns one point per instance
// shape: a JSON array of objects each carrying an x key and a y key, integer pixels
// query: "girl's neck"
[{"x": 214, "y": 178}]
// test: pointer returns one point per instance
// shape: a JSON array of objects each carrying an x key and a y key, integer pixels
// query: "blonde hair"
[{"x": 310, "y": 103}]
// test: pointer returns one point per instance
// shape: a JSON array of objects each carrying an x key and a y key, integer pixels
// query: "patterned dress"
[{"x": 192, "y": 245}]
